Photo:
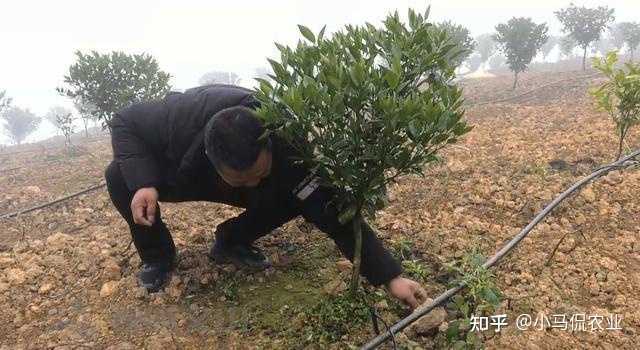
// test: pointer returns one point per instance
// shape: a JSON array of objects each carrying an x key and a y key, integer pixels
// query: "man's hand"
[
  {"x": 144, "y": 205},
  {"x": 408, "y": 291}
]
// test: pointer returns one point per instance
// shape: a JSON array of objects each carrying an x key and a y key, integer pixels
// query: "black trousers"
[{"x": 263, "y": 214}]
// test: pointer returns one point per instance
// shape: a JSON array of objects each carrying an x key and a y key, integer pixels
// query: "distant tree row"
[
  {"x": 520, "y": 39},
  {"x": 99, "y": 85}
]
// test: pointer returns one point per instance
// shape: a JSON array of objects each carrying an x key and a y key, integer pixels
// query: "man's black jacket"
[{"x": 161, "y": 144}]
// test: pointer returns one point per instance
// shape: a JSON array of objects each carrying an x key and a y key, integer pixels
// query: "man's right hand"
[{"x": 144, "y": 205}]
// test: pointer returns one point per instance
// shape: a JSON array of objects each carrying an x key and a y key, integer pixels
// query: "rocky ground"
[{"x": 67, "y": 273}]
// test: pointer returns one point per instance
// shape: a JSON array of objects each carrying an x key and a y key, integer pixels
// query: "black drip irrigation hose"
[
  {"x": 48, "y": 204},
  {"x": 425, "y": 309}
]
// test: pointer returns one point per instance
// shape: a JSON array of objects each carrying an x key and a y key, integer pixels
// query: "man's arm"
[
  {"x": 137, "y": 163},
  {"x": 378, "y": 266}
]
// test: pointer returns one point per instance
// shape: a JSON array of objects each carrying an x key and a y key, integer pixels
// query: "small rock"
[
  {"x": 335, "y": 287},
  {"x": 45, "y": 288},
  {"x": 174, "y": 289},
  {"x": 5, "y": 261},
  {"x": 161, "y": 341},
  {"x": 141, "y": 293},
  {"x": 613, "y": 178},
  {"x": 59, "y": 240},
  {"x": 16, "y": 276},
  {"x": 111, "y": 270},
  {"x": 109, "y": 288},
  {"x": 382, "y": 305},
  {"x": 344, "y": 265},
  {"x": 34, "y": 272},
  {"x": 32, "y": 189},
  {"x": 588, "y": 195},
  {"x": 122, "y": 346},
  {"x": 429, "y": 323}
]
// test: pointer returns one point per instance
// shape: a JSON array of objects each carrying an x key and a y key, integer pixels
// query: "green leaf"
[
  {"x": 321, "y": 34},
  {"x": 306, "y": 32},
  {"x": 391, "y": 78},
  {"x": 413, "y": 129},
  {"x": 278, "y": 69}
]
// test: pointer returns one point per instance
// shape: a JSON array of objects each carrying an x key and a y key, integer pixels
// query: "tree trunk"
[
  {"x": 86, "y": 131},
  {"x": 623, "y": 133},
  {"x": 357, "y": 254},
  {"x": 584, "y": 59},
  {"x": 515, "y": 81}
]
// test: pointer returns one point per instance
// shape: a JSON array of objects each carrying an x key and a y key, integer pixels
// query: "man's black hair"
[{"x": 233, "y": 137}]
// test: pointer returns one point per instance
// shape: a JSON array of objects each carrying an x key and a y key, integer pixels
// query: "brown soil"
[{"x": 67, "y": 276}]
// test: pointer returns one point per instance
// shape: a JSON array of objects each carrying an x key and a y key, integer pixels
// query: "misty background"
[{"x": 193, "y": 37}]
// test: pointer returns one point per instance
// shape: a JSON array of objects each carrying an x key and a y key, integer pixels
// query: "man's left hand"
[{"x": 407, "y": 291}]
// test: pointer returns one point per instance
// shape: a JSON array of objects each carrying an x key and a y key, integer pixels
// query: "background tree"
[
  {"x": 364, "y": 107},
  {"x": 62, "y": 118},
  {"x": 631, "y": 35},
  {"x": 585, "y": 25},
  {"x": 18, "y": 123},
  {"x": 485, "y": 46},
  {"x": 617, "y": 37},
  {"x": 461, "y": 37},
  {"x": 87, "y": 112},
  {"x": 112, "y": 81},
  {"x": 474, "y": 62},
  {"x": 219, "y": 77},
  {"x": 604, "y": 45},
  {"x": 567, "y": 45},
  {"x": 549, "y": 45},
  {"x": 497, "y": 61},
  {"x": 519, "y": 40},
  {"x": 53, "y": 115},
  {"x": 620, "y": 95},
  {"x": 5, "y": 101}
]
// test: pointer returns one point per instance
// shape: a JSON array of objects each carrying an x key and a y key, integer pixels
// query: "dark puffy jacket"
[{"x": 159, "y": 142}]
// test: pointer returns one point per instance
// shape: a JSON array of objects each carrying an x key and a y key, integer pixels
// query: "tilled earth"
[{"x": 67, "y": 272}]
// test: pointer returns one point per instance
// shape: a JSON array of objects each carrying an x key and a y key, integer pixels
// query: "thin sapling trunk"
[{"x": 357, "y": 251}]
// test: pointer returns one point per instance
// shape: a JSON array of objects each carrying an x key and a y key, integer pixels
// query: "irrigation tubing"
[
  {"x": 511, "y": 98},
  {"x": 423, "y": 310},
  {"x": 48, "y": 204}
]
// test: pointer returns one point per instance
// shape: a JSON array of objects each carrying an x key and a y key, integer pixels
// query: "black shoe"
[
  {"x": 154, "y": 276},
  {"x": 242, "y": 256}
]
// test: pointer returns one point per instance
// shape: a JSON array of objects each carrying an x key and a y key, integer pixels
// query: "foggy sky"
[{"x": 191, "y": 37}]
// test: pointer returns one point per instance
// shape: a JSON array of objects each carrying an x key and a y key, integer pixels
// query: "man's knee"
[
  {"x": 112, "y": 174},
  {"x": 118, "y": 191}
]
